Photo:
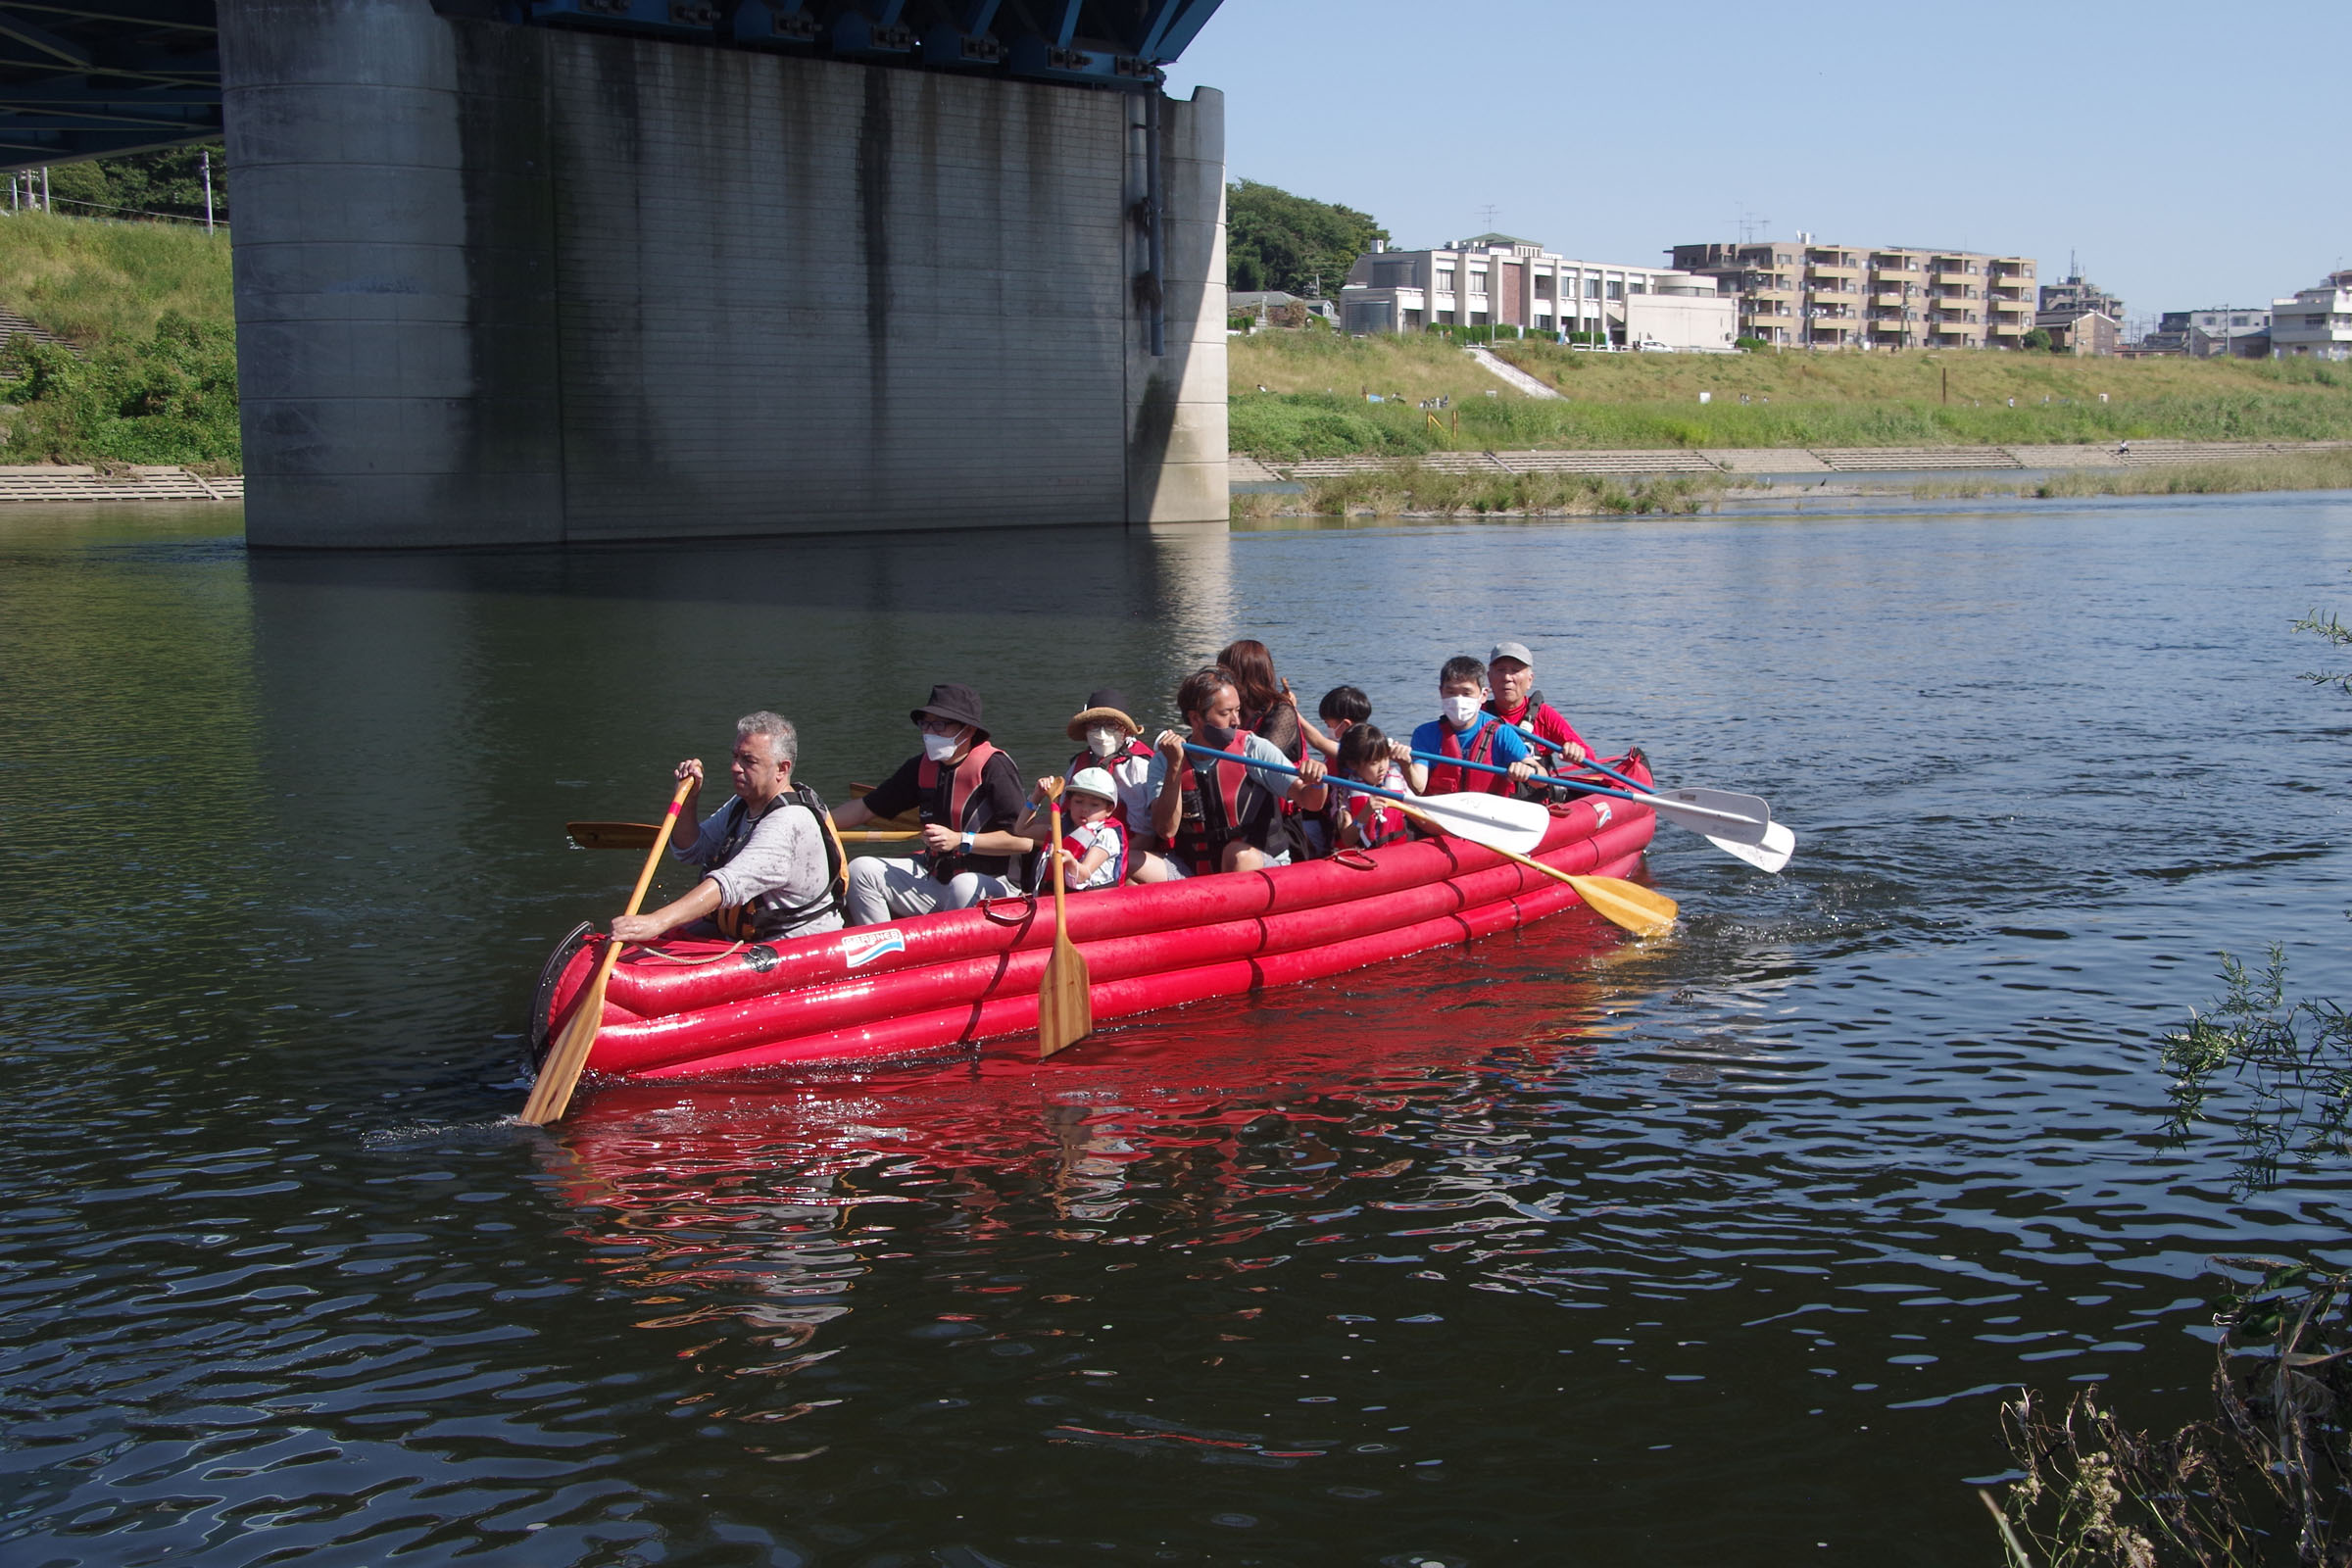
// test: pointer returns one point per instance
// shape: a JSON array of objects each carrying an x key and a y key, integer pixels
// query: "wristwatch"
[{"x": 970, "y": 838}]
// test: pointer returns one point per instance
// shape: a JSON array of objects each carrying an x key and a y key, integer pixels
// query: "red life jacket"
[
  {"x": 1377, "y": 821},
  {"x": 1139, "y": 834},
  {"x": 1222, "y": 803},
  {"x": 951, "y": 807},
  {"x": 1443, "y": 780},
  {"x": 1118, "y": 857}
]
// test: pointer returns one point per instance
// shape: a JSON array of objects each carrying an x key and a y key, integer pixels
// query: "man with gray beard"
[{"x": 771, "y": 867}]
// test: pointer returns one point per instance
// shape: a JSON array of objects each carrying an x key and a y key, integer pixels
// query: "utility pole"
[
  {"x": 208, "y": 190},
  {"x": 45, "y": 207}
]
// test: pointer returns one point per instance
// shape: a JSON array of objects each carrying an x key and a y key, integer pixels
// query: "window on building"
[
  {"x": 1412, "y": 320},
  {"x": 1444, "y": 277},
  {"x": 1477, "y": 318},
  {"x": 1616, "y": 289},
  {"x": 1592, "y": 288},
  {"x": 1445, "y": 317},
  {"x": 1542, "y": 285},
  {"x": 1636, "y": 286}
]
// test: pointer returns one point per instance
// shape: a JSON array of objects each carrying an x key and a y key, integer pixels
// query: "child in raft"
[
  {"x": 1342, "y": 708},
  {"x": 1094, "y": 838},
  {"x": 1464, "y": 729},
  {"x": 1367, "y": 822}
]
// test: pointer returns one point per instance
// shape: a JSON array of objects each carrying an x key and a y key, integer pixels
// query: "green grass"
[
  {"x": 102, "y": 282},
  {"x": 150, "y": 307},
  {"x": 1313, "y": 405}
]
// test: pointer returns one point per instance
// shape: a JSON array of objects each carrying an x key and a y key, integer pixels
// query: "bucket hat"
[
  {"x": 953, "y": 700},
  {"x": 1106, "y": 706}
]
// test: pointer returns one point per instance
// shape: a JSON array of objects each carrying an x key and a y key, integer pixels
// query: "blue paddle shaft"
[
  {"x": 1505, "y": 772},
  {"x": 1284, "y": 767},
  {"x": 1598, "y": 767}
]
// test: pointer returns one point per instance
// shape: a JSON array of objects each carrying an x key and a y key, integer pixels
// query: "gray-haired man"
[{"x": 764, "y": 853}]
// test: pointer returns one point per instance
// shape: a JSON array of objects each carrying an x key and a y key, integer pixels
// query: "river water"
[{"x": 1558, "y": 1248}]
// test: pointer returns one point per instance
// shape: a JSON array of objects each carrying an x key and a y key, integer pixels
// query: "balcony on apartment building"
[{"x": 1955, "y": 273}]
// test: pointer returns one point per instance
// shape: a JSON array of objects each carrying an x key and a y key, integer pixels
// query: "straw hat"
[{"x": 1104, "y": 707}]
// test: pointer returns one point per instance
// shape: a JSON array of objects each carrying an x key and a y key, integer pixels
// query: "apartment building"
[
  {"x": 1502, "y": 280},
  {"x": 2316, "y": 323},
  {"x": 2231, "y": 330},
  {"x": 2077, "y": 293},
  {"x": 1805, "y": 293}
]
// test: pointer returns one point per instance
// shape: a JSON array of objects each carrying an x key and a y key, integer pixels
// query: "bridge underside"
[{"x": 504, "y": 284}]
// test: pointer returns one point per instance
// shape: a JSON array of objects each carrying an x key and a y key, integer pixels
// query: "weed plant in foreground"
[{"x": 1410, "y": 488}]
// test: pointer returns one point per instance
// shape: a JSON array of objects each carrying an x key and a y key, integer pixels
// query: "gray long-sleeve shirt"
[{"x": 784, "y": 856}]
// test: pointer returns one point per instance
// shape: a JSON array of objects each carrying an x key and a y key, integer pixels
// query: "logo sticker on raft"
[
  {"x": 1600, "y": 813},
  {"x": 864, "y": 946}
]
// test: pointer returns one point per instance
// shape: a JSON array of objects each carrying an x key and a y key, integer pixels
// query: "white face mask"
[
  {"x": 938, "y": 747},
  {"x": 1460, "y": 710},
  {"x": 1106, "y": 740}
]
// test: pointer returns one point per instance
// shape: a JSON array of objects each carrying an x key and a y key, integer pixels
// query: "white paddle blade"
[
  {"x": 1771, "y": 854},
  {"x": 1497, "y": 821},
  {"x": 1753, "y": 806},
  {"x": 1737, "y": 826}
]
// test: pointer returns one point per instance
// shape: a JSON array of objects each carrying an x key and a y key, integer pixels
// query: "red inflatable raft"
[{"x": 940, "y": 982}]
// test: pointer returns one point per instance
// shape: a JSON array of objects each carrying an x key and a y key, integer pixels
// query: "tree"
[
  {"x": 1275, "y": 240},
  {"x": 166, "y": 184},
  {"x": 2038, "y": 339}
]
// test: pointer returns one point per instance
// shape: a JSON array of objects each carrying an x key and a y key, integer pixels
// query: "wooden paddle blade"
[
  {"x": 1641, "y": 911},
  {"x": 611, "y": 835},
  {"x": 1769, "y": 856},
  {"x": 1497, "y": 821},
  {"x": 559, "y": 1073},
  {"x": 1065, "y": 1001}
]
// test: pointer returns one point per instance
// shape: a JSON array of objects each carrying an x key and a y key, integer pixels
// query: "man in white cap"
[{"x": 1512, "y": 675}]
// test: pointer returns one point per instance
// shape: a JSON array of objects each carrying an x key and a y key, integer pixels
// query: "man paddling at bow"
[
  {"x": 969, "y": 795},
  {"x": 1465, "y": 730},
  {"x": 769, "y": 866},
  {"x": 1218, "y": 815}
]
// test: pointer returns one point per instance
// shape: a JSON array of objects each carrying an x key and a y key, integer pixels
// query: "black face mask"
[{"x": 1219, "y": 736}]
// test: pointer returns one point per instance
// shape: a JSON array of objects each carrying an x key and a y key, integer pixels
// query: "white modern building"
[
  {"x": 1501, "y": 281},
  {"x": 2316, "y": 323}
]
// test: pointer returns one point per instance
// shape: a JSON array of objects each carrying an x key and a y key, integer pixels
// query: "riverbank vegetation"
[
  {"x": 2269, "y": 1480},
  {"x": 1411, "y": 489},
  {"x": 2282, "y": 471},
  {"x": 1315, "y": 384},
  {"x": 148, "y": 308}
]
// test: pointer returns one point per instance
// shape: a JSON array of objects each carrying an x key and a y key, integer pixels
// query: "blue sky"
[{"x": 2192, "y": 157}]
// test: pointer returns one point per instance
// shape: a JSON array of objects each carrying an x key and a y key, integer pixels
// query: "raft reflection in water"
[{"x": 978, "y": 1216}]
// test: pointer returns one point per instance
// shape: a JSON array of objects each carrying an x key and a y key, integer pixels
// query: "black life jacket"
[
  {"x": 1548, "y": 759},
  {"x": 770, "y": 916},
  {"x": 953, "y": 800},
  {"x": 1223, "y": 801}
]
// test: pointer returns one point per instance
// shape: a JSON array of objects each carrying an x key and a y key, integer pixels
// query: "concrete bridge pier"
[{"x": 514, "y": 285}]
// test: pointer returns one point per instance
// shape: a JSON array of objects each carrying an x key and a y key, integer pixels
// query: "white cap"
[
  {"x": 1096, "y": 782},
  {"x": 1516, "y": 651}
]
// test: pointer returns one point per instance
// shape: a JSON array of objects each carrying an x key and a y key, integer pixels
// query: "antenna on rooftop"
[
  {"x": 1489, "y": 209},
  {"x": 1749, "y": 223}
]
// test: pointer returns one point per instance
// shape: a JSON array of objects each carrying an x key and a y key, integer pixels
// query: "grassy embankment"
[
  {"x": 1314, "y": 407},
  {"x": 150, "y": 307},
  {"x": 2296, "y": 470}
]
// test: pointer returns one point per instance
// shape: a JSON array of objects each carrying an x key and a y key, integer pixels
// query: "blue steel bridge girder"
[
  {"x": 91, "y": 79},
  {"x": 1108, "y": 43}
]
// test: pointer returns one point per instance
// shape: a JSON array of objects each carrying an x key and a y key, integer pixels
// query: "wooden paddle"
[
  {"x": 1065, "y": 997},
  {"x": 551, "y": 1096},
  {"x": 641, "y": 835},
  {"x": 1638, "y": 909}
]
